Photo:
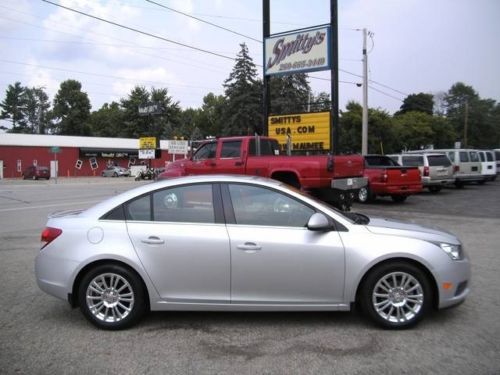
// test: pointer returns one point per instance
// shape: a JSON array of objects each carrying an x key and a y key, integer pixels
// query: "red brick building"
[{"x": 74, "y": 156}]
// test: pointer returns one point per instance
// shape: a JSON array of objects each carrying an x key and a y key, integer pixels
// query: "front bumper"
[{"x": 454, "y": 283}]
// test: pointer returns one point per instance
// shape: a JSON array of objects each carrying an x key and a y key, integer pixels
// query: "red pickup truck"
[
  {"x": 386, "y": 177},
  {"x": 335, "y": 179}
]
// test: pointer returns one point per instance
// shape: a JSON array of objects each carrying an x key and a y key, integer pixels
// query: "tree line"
[{"x": 459, "y": 114}]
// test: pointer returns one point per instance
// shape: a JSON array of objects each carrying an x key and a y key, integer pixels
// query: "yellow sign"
[
  {"x": 147, "y": 143},
  {"x": 308, "y": 131}
]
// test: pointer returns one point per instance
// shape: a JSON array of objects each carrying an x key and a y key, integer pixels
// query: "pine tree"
[
  {"x": 12, "y": 107},
  {"x": 71, "y": 109},
  {"x": 242, "y": 115}
]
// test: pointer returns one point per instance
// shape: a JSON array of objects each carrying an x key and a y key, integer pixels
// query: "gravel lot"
[{"x": 42, "y": 335}]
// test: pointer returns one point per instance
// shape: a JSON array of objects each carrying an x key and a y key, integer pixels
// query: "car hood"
[{"x": 379, "y": 225}]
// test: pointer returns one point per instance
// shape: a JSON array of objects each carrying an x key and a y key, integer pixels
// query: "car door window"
[
  {"x": 464, "y": 157},
  {"x": 474, "y": 157},
  {"x": 230, "y": 149},
  {"x": 207, "y": 151},
  {"x": 254, "y": 205},
  {"x": 187, "y": 204},
  {"x": 413, "y": 161}
]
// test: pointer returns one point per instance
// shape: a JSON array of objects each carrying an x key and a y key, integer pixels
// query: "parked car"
[
  {"x": 244, "y": 243},
  {"x": 388, "y": 178},
  {"x": 36, "y": 172},
  {"x": 497, "y": 157},
  {"x": 114, "y": 171},
  {"x": 466, "y": 164},
  {"x": 488, "y": 165},
  {"x": 435, "y": 168}
]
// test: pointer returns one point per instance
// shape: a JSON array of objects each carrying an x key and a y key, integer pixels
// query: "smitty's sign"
[
  {"x": 308, "y": 131},
  {"x": 304, "y": 50}
]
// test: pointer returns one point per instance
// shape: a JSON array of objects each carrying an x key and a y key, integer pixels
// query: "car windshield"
[{"x": 438, "y": 160}]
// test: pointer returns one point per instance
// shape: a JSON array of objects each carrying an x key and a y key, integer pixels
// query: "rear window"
[
  {"x": 230, "y": 149},
  {"x": 380, "y": 161},
  {"x": 268, "y": 147},
  {"x": 481, "y": 155},
  {"x": 413, "y": 161},
  {"x": 451, "y": 155},
  {"x": 497, "y": 155},
  {"x": 489, "y": 156},
  {"x": 464, "y": 157},
  {"x": 438, "y": 160}
]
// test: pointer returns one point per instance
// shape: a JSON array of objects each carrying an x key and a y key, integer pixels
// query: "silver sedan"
[{"x": 244, "y": 244}]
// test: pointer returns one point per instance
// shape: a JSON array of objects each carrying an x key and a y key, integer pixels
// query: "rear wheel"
[
  {"x": 399, "y": 198},
  {"x": 396, "y": 295},
  {"x": 459, "y": 184},
  {"x": 365, "y": 194},
  {"x": 435, "y": 189},
  {"x": 112, "y": 297}
]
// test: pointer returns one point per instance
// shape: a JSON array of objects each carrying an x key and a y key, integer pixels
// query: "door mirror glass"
[{"x": 319, "y": 222}]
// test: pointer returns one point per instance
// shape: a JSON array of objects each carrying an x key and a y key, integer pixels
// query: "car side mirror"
[{"x": 319, "y": 222}]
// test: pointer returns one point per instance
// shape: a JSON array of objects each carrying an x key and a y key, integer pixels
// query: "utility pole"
[
  {"x": 334, "y": 88},
  {"x": 266, "y": 91},
  {"x": 364, "y": 128},
  {"x": 466, "y": 120}
]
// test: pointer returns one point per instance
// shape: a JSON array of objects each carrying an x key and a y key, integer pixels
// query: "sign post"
[{"x": 55, "y": 150}]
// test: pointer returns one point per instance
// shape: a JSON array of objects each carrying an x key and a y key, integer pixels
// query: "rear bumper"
[
  {"x": 381, "y": 189},
  {"x": 353, "y": 183},
  {"x": 437, "y": 181},
  {"x": 469, "y": 178}
]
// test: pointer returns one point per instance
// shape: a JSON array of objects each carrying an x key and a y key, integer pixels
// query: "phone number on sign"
[{"x": 303, "y": 64}]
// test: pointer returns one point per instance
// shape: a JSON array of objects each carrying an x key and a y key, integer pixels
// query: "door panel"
[
  {"x": 186, "y": 262},
  {"x": 285, "y": 265}
]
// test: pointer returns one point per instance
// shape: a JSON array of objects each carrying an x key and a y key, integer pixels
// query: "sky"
[{"x": 416, "y": 46}]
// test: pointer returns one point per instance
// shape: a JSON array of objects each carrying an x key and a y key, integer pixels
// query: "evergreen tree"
[
  {"x": 418, "y": 102},
  {"x": 12, "y": 107},
  {"x": 107, "y": 121},
  {"x": 289, "y": 94},
  {"x": 36, "y": 110},
  {"x": 71, "y": 110},
  {"x": 243, "y": 112}
]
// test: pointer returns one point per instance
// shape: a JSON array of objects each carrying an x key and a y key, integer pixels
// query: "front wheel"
[
  {"x": 396, "y": 295},
  {"x": 112, "y": 297}
]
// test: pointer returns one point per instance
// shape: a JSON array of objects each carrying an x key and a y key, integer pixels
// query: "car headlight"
[{"x": 454, "y": 251}]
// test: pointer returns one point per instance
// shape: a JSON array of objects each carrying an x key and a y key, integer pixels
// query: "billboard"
[
  {"x": 303, "y": 50},
  {"x": 308, "y": 131}
]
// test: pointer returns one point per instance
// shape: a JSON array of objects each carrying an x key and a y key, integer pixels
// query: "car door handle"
[
  {"x": 249, "y": 246},
  {"x": 153, "y": 240}
]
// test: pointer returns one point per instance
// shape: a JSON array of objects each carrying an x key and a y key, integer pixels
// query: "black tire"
[
  {"x": 115, "y": 174},
  {"x": 459, "y": 184},
  {"x": 365, "y": 195},
  {"x": 103, "y": 306},
  {"x": 435, "y": 189},
  {"x": 403, "y": 307},
  {"x": 482, "y": 182},
  {"x": 399, "y": 198}
]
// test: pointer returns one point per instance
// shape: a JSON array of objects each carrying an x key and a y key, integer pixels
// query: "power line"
[
  {"x": 202, "y": 20},
  {"x": 103, "y": 75},
  {"x": 384, "y": 93},
  {"x": 140, "y": 31}
]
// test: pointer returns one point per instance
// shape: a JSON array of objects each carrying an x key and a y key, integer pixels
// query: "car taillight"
[
  {"x": 426, "y": 171},
  {"x": 49, "y": 234},
  {"x": 456, "y": 169},
  {"x": 383, "y": 177}
]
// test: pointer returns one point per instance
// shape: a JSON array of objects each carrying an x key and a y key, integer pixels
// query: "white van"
[
  {"x": 488, "y": 165},
  {"x": 497, "y": 156},
  {"x": 435, "y": 168},
  {"x": 466, "y": 163}
]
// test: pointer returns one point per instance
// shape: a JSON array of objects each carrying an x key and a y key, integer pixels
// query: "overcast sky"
[{"x": 417, "y": 46}]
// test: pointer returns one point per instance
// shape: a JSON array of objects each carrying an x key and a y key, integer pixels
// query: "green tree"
[
  {"x": 134, "y": 125},
  {"x": 289, "y": 94},
  {"x": 107, "y": 121},
  {"x": 211, "y": 116},
  {"x": 71, "y": 110},
  {"x": 413, "y": 130},
  {"x": 36, "y": 110},
  {"x": 12, "y": 107},
  {"x": 243, "y": 113},
  {"x": 418, "y": 102},
  {"x": 321, "y": 102},
  {"x": 381, "y": 136}
]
